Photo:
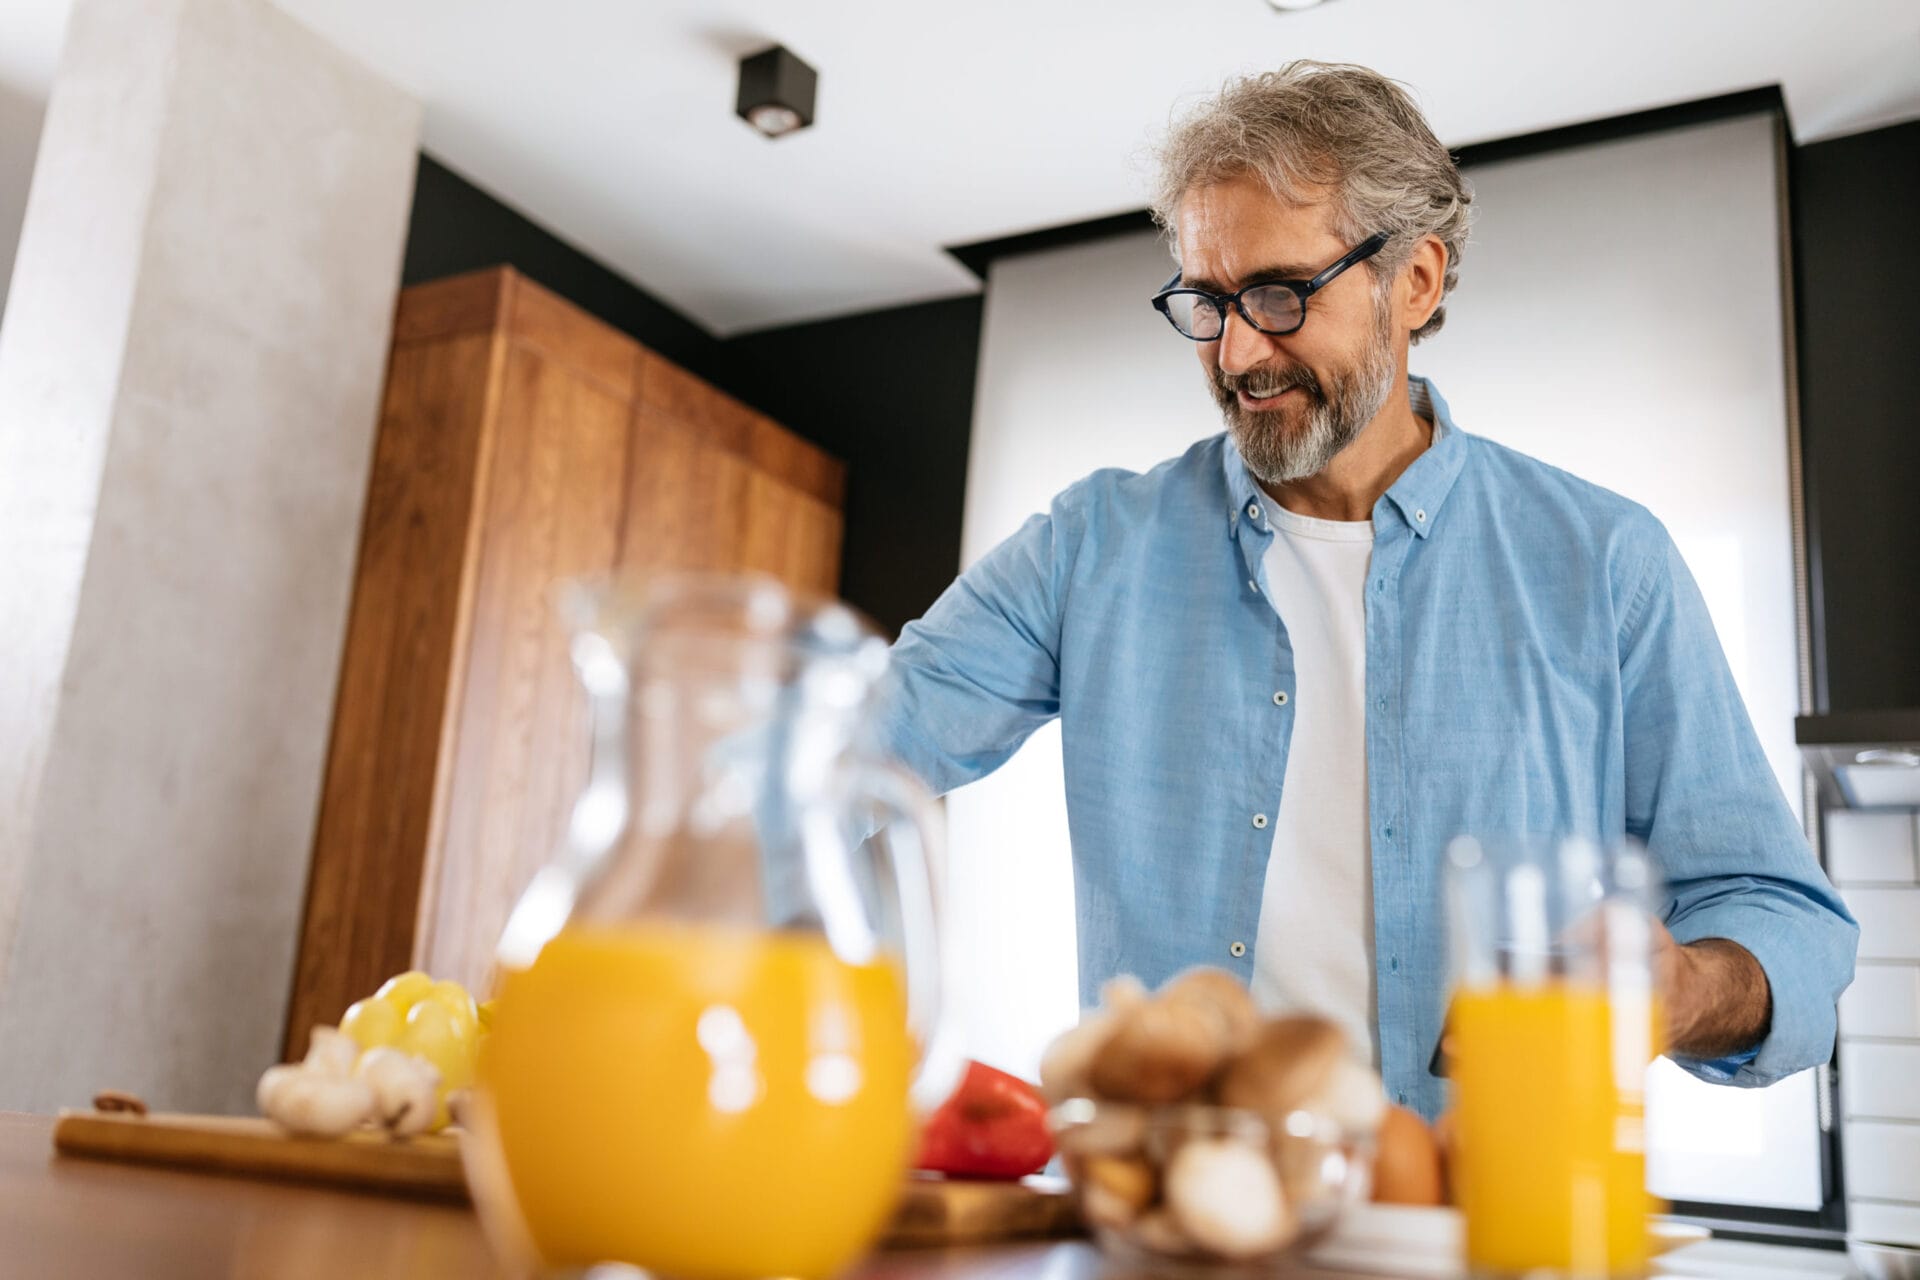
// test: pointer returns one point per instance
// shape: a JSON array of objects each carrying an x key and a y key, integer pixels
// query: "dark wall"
[
  {"x": 890, "y": 392},
  {"x": 1857, "y": 270},
  {"x": 458, "y": 227}
]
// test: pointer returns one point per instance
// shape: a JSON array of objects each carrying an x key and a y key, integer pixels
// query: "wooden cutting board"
[
  {"x": 933, "y": 1210},
  {"x": 428, "y": 1165},
  {"x": 942, "y": 1211}
]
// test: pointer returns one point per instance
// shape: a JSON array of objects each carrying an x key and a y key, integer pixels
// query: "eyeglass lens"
[{"x": 1274, "y": 308}]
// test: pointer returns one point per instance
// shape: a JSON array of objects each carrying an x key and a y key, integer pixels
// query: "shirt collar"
[
  {"x": 1422, "y": 488},
  {"x": 1417, "y": 496}
]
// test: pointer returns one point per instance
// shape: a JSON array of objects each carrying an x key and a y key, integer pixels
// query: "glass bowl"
[{"x": 1192, "y": 1189}]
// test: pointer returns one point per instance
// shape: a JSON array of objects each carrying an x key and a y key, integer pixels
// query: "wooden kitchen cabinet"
[{"x": 521, "y": 442}]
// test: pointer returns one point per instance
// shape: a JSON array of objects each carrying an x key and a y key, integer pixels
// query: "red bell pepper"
[{"x": 994, "y": 1126}]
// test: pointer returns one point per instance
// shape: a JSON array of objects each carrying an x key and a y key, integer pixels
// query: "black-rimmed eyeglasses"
[{"x": 1271, "y": 306}]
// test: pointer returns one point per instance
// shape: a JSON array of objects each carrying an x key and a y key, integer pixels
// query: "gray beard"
[{"x": 1275, "y": 450}]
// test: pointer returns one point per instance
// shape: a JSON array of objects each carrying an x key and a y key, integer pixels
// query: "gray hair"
[{"x": 1334, "y": 125}]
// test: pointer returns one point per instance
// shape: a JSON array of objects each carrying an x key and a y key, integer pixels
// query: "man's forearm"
[{"x": 1719, "y": 1001}]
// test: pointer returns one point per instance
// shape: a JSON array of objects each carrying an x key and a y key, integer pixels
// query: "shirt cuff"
[
  {"x": 1720, "y": 1070},
  {"x": 1807, "y": 957}
]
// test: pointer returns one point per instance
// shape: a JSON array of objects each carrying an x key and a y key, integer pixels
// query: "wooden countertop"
[{"x": 61, "y": 1216}]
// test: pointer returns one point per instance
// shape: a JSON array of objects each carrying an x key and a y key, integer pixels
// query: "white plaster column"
[
  {"x": 19, "y": 137},
  {"x": 190, "y": 373}
]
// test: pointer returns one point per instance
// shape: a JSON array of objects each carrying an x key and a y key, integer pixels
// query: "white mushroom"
[
  {"x": 302, "y": 1100},
  {"x": 273, "y": 1085},
  {"x": 405, "y": 1089},
  {"x": 1168, "y": 1047},
  {"x": 1102, "y": 1129},
  {"x": 1157, "y": 1232},
  {"x": 1227, "y": 1197},
  {"x": 1068, "y": 1061},
  {"x": 330, "y": 1052},
  {"x": 1102, "y": 1208},
  {"x": 1291, "y": 1061},
  {"x": 1116, "y": 1189},
  {"x": 1351, "y": 1097}
]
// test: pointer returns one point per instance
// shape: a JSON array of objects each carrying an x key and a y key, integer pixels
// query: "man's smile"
[{"x": 1250, "y": 401}]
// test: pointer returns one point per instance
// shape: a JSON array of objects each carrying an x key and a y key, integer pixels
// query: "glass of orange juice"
[
  {"x": 715, "y": 1007},
  {"x": 1551, "y": 1029}
]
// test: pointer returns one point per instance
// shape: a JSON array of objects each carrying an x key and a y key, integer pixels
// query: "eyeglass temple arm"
[{"x": 1360, "y": 253}]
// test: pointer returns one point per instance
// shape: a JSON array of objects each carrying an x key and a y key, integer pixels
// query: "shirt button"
[
  {"x": 1280, "y": 698},
  {"x": 1260, "y": 821},
  {"x": 1389, "y": 831},
  {"x": 1380, "y": 704},
  {"x": 1403, "y": 1098},
  {"x": 1379, "y": 584},
  {"x": 1238, "y": 949},
  {"x": 1394, "y": 964},
  {"x": 1421, "y": 516},
  {"x": 1253, "y": 586},
  {"x": 1253, "y": 509}
]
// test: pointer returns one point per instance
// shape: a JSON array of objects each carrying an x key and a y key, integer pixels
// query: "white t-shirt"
[{"x": 1314, "y": 951}]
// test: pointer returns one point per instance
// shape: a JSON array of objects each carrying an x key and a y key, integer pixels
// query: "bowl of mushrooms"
[{"x": 1201, "y": 1137}]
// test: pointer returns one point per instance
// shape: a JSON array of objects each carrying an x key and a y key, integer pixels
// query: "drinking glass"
[{"x": 1553, "y": 1023}]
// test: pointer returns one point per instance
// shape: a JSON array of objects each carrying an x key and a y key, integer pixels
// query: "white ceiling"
[{"x": 610, "y": 121}]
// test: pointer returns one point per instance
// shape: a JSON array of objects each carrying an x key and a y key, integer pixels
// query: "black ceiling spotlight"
[{"x": 776, "y": 91}]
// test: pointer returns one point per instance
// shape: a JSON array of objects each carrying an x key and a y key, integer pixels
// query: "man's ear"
[{"x": 1426, "y": 277}]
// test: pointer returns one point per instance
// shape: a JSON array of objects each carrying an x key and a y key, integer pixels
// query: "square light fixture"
[
  {"x": 776, "y": 91},
  {"x": 1295, "y": 6}
]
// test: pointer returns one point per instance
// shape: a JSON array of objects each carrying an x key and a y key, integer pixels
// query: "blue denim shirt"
[{"x": 1538, "y": 660}]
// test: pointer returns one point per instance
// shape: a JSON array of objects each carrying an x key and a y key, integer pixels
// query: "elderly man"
[{"x": 1295, "y": 661}]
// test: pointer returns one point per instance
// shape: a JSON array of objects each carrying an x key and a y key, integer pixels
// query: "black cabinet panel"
[{"x": 1856, "y": 216}]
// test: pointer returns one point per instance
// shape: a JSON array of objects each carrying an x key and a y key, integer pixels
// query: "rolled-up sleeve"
[
  {"x": 1700, "y": 793},
  {"x": 981, "y": 671}
]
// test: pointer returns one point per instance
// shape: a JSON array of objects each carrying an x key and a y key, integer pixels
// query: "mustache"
[{"x": 1261, "y": 383}]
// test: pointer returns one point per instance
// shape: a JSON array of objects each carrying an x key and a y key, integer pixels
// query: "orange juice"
[
  {"x": 698, "y": 1101},
  {"x": 1551, "y": 1162}
]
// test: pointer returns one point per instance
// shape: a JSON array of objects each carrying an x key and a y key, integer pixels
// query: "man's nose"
[{"x": 1242, "y": 346}]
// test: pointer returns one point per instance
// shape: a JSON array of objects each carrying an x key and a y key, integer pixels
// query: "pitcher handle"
[
  {"x": 913, "y": 830},
  {"x": 600, "y": 814}
]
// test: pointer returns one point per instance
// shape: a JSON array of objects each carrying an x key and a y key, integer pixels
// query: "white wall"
[
  {"x": 1619, "y": 315},
  {"x": 1077, "y": 372},
  {"x": 19, "y": 138}
]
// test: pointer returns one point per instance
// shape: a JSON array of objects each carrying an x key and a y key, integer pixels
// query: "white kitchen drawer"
[
  {"x": 1884, "y": 1000},
  {"x": 1870, "y": 847},
  {"x": 1884, "y": 1223},
  {"x": 1880, "y": 1080},
  {"x": 1883, "y": 1160},
  {"x": 1889, "y": 922}
]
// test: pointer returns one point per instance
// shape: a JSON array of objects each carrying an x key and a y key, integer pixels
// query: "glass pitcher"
[{"x": 717, "y": 1009}]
